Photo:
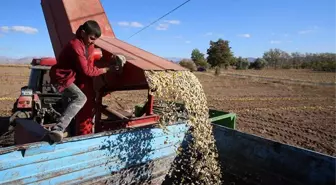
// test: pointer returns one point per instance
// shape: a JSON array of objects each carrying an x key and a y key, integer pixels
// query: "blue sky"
[{"x": 251, "y": 26}]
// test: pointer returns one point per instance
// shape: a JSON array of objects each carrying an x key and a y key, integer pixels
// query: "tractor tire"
[{"x": 18, "y": 114}]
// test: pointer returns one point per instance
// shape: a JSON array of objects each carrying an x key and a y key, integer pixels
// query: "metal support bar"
[
  {"x": 114, "y": 112},
  {"x": 99, "y": 102},
  {"x": 150, "y": 105},
  {"x": 131, "y": 123}
]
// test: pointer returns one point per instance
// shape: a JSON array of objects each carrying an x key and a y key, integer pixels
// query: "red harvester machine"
[{"x": 63, "y": 17}]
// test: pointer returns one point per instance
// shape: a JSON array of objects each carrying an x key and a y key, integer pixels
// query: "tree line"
[{"x": 220, "y": 55}]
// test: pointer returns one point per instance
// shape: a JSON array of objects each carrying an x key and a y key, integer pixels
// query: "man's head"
[{"x": 89, "y": 32}]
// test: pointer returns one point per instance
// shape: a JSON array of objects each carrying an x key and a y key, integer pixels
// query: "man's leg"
[{"x": 77, "y": 101}]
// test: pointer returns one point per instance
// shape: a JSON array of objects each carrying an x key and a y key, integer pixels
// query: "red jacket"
[{"x": 73, "y": 63}]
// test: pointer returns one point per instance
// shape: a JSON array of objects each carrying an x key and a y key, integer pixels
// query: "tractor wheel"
[{"x": 17, "y": 114}]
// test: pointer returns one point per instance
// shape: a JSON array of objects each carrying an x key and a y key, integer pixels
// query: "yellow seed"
[{"x": 199, "y": 161}]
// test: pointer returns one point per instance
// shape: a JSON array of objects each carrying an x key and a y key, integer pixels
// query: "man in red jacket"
[{"x": 73, "y": 64}]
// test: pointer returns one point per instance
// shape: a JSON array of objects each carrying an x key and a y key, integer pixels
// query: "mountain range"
[{"x": 8, "y": 60}]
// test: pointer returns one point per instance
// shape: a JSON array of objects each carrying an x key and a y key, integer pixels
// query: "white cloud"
[
  {"x": 4, "y": 28},
  {"x": 162, "y": 27},
  {"x": 23, "y": 29},
  {"x": 136, "y": 24},
  {"x": 123, "y": 23},
  {"x": 275, "y": 41},
  {"x": 246, "y": 35},
  {"x": 305, "y": 31},
  {"x": 209, "y": 34},
  {"x": 212, "y": 34},
  {"x": 172, "y": 21},
  {"x": 313, "y": 29},
  {"x": 178, "y": 37},
  {"x": 280, "y": 41},
  {"x": 130, "y": 24},
  {"x": 188, "y": 42}
]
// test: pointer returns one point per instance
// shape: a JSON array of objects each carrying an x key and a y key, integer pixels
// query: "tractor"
[{"x": 39, "y": 100}]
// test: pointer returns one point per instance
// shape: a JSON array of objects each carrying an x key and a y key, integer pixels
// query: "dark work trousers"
[{"x": 77, "y": 99}]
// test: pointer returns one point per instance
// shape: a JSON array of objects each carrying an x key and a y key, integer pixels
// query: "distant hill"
[
  {"x": 8, "y": 60},
  {"x": 5, "y": 59},
  {"x": 251, "y": 59},
  {"x": 174, "y": 59}
]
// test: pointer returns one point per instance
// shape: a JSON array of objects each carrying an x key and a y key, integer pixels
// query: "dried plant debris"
[{"x": 197, "y": 163}]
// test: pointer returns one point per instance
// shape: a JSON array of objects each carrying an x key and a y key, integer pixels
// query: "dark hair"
[{"x": 90, "y": 27}]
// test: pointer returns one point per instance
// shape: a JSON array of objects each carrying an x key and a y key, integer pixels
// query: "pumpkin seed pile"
[{"x": 197, "y": 162}]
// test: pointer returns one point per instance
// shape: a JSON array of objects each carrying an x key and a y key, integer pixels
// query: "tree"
[
  {"x": 219, "y": 53},
  {"x": 199, "y": 59},
  {"x": 189, "y": 64},
  {"x": 259, "y": 63},
  {"x": 296, "y": 60},
  {"x": 233, "y": 61},
  {"x": 197, "y": 56},
  {"x": 204, "y": 64},
  {"x": 242, "y": 63},
  {"x": 315, "y": 61},
  {"x": 276, "y": 57}
]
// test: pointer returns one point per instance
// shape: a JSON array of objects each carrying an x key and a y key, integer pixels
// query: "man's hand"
[
  {"x": 121, "y": 61},
  {"x": 106, "y": 69}
]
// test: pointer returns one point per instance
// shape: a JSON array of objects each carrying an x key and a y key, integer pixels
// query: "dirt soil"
[{"x": 291, "y": 113}]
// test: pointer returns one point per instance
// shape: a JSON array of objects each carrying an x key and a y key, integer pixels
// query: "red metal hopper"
[{"x": 63, "y": 17}]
